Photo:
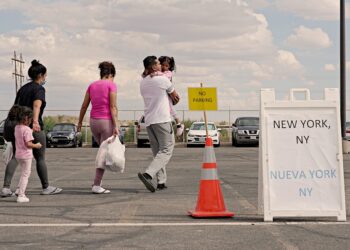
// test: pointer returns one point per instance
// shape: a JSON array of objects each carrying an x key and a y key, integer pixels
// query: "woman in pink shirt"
[
  {"x": 104, "y": 113},
  {"x": 24, "y": 153}
]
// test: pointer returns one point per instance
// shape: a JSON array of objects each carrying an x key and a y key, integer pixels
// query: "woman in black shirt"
[{"x": 32, "y": 95}]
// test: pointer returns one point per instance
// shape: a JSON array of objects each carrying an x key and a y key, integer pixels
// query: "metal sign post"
[{"x": 205, "y": 119}]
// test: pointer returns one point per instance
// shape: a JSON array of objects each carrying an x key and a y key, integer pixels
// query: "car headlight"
[
  {"x": 71, "y": 136},
  {"x": 49, "y": 135},
  {"x": 216, "y": 134},
  {"x": 240, "y": 132},
  {"x": 189, "y": 134}
]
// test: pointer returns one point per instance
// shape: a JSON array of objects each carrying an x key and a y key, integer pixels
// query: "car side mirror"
[
  {"x": 136, "y": 123},
  {"x": 187, "y": 129},
  {"x": 233, "y": 124}
]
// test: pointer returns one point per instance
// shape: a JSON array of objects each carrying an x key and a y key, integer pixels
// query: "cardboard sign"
[
  {"x": 301, "y": 157},
  {"x": 202, "y": 99}
]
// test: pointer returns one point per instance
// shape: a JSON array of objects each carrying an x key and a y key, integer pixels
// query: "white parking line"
[{"x": 165, "y": 224}]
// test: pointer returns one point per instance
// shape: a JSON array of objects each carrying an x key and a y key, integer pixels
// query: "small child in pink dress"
[
  {"x": 24, "y": 153},
  {"x": 168, "y": 66}
]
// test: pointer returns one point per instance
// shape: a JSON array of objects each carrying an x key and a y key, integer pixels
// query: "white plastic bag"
[
  {"x": 111, "y": 155},
  {"x": 8, "y": 152}
]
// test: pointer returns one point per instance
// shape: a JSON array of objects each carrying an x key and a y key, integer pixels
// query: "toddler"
[
  {"x": 168, "y": 66},
  {"x": 24, "y": 153}
]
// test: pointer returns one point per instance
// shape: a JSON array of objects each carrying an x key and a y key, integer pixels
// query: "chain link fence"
[{"x": 222, "y": 118}]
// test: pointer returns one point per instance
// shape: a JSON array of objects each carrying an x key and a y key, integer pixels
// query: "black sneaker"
[
  {"x": 161, "y": 186},
  {"x": 147, "y": 181}
]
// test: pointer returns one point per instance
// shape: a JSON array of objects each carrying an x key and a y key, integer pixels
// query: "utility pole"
[
  {"x": 18, "y": 74},
  {"x": 342, "y": 68}
]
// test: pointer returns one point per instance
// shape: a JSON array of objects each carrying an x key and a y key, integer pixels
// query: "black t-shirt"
[{"x": 29, "y": 93}]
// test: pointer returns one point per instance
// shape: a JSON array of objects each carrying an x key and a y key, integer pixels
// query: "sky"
[{"x": 238, "y": 46}]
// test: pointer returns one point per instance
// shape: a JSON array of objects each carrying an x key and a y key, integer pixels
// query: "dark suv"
[
  {"x": 245, "y": 130},
  {"x": 64, "y": 134}
]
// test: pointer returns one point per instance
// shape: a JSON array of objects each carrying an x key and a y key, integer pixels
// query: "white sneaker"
[
  {"x": 51, "y": 190},
  {"x": 99, "y": 190},
  {"x": 6, "y": 192},
  {"x": 179, "y": 129},
  {"x": 21, "y": 199}
]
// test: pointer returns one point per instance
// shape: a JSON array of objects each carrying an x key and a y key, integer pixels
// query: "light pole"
[{"x": 342, "y": 68}]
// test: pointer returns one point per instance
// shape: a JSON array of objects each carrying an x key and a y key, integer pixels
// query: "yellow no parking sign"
[{"x": 202, "y": 99}]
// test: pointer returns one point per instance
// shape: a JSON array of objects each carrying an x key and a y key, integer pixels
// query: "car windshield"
[
  {"x": 63, "y": 127},
  {"x": 248, "y": 122},
  {"x": 201, "y": 126}
]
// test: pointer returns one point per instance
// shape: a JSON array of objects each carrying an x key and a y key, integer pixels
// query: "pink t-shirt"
[
  {"x": 99, "y": 96},
  {"x": 23, "y": 134},
  {"x": 168, "y": 74}
]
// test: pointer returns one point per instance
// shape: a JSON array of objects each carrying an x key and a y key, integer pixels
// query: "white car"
[{"x": 196, "y": 134}]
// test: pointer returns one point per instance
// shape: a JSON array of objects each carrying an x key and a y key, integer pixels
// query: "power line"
[{"x": 18, "y": 74}]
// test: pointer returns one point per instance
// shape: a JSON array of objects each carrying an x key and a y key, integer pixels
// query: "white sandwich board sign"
[{"x": 300, "y": 159}]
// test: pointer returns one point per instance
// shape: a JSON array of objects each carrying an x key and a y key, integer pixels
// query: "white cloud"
[
  {"x": 329, "y": 67},
  {"x": 220, "y": 43},
  {"x": 312, "y": 9},
  {"x": 288, "y": 59},
  {"x": 254, "y": 83},
  {"x": 306, "y": 38}
]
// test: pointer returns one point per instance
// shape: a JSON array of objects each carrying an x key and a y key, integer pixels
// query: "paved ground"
[{"x": 132, "y": 218}]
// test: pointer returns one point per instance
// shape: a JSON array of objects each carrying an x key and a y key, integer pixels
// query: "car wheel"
[
  {"x": 81, "y": 144},
  {"x": 217, "y": 145},
  {"x": 188, "y": 145},
  {"x": 139, "y": 143}
]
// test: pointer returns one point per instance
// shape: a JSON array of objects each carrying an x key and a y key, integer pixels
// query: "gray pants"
[
  {"x": 161, "y": 138},
  {"x": 39, "y": 155}
]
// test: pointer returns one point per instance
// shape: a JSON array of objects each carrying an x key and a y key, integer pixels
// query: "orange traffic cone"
[{"x": 210, "y": 200}]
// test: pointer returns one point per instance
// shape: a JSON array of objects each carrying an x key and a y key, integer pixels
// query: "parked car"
[
  {"x": 64, "y": 134},
  {"x": 2, "y": 124},
  {"x": 196, "y": 134},
  {"x": 245, "y": 130},
  {"x": 347, "y": 131},
  {"x": 141, "y": 132}
]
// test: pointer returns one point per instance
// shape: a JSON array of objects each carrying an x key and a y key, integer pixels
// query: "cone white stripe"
[
  {"x": 209, "y": 174},
  {"x": 209, "y": 155}
]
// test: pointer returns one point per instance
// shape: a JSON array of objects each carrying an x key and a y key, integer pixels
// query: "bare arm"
[
  {"x": 83, "y": 109},
  {"x": 30, "y": 144},
  {"x": 36, "y": 111},
  {"x": 174, "y": 97},
  {"x": 114, "y": 111}
]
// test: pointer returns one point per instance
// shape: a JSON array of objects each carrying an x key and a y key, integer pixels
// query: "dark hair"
[
  {"x": 25, "y": 112},
  {"x": 148, "y": 63},
  {"x": 36, "y": 69},
  {"x": 14, "y": 112},
  {"x": 106, "y": 69},
  {"x": 169, "y": 60}
]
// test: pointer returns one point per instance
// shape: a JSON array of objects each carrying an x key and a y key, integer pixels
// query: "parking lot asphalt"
[{"x": 130, "y": 217}]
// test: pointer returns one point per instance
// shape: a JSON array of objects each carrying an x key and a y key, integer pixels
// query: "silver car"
[{"x": 245, "y": 130}]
